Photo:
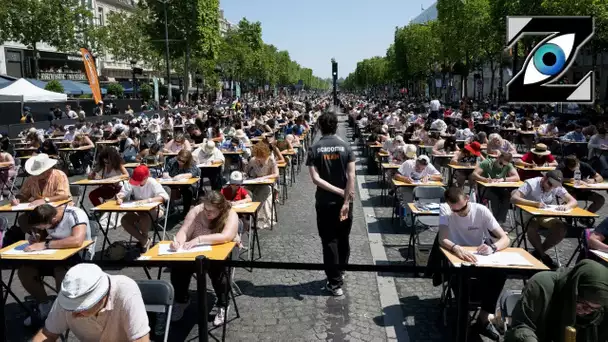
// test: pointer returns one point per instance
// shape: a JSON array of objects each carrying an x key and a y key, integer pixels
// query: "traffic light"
[{"x": 334, "y": 69}]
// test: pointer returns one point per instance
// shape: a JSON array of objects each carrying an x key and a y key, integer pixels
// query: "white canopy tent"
[{"x": 24, "y": 91}]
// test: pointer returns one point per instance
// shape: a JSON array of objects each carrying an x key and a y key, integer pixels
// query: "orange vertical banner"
[{"x": 91, "y": 70}]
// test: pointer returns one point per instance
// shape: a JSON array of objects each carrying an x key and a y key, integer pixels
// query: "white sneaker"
[
  {"x": 43, "y": 311},
  {"x": 220, "y": 317},
  {"x": 334, "y": 289},
  {"x": 178, "y": 311}
]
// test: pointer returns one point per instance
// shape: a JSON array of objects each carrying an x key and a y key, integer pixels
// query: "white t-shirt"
[
  {"x": 471, "y": 229},
  {"x": 72, "y": 114},
  {"x": 200, "y": 157},
  {"x": 150, "y": 190},
  {"x": 408, "y": 169},
  {"x": 533, "y": 191},
  {"x": 435, "y": 104}
]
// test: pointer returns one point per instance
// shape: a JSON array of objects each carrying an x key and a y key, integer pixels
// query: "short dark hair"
[
  {"x": 453, "y": 194},
  {"x": 506, "y": 156},
  {"x": 42, "y": 214},
  {"x": 570, "y": 161},
  {"x": 328, "y": 122}
]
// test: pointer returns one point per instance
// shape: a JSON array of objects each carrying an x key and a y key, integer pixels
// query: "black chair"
[{"x": 158, "y": 297}]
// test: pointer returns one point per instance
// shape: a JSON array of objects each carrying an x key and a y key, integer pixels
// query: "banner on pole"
[{"x": 91, "y": 70}]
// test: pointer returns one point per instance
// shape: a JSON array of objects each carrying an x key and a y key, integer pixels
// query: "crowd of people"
[
  {"x": 492, "y": 145},
  {"x": 468, "y": 145}
]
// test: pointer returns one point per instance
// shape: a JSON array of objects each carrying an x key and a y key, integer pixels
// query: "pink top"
[
  {"x": 7, "y": 158},
  {"x": 196, "y": 223}
]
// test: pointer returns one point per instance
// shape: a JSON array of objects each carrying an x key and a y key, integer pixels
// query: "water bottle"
[{"x": 577, "y": 176}]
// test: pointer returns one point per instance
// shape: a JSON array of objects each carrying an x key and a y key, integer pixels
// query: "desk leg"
[
  {"x": 383, "y": 186},
  {"x": 104, "y": 232},
  {"x": 9, "y": 292},
  {"x": 462, "y": 324}
]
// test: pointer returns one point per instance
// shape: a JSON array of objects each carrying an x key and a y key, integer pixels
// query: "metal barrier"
[{"x": 201, "y": 263}]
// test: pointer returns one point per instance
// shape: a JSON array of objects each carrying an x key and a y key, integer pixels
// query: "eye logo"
[{"x": 550, "y": 59}]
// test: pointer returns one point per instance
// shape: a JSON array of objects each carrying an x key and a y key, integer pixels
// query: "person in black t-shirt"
[
  {"x": 331, "y": 163},
  {"x": 588, "y": 176}
]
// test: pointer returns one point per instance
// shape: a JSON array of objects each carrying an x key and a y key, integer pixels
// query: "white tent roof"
[{"x": 24, "y": 91}]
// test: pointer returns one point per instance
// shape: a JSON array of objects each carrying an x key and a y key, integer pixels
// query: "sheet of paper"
[
  {"x": 600, "y": 254},
  {"x": 509, "y": 183},
  {"x": 20, "y": 206},
  {"x": 137, "y": 205},
  {"x": 596, "y": 185},
  {"x": 19, "y": 250},
  {"x": 240, "y": 206},
  {"x": 163, "y": 249},
  {"x": 502, "y": 259},
  {"x": 553, "y": 207},
  {"x": 254, "y": 181}
]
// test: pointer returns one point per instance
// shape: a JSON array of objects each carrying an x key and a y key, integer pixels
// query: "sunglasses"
[{"x": 464, "y": 207}]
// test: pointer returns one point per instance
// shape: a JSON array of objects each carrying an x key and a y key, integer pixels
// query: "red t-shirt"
[
  {"x": 539, "y": 160},
  {"x": 240, "y": 194}
]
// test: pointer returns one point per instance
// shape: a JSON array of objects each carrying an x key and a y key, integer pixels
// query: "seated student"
[
  {"x": 588, "y": 176},
  {"x": 70, "y": 135},
  {"x": 468, "y": 156},
  {"x": 145, "y": 189},
  {"x": 598, "y": 239},
  {"x": 235, "y": 192},
  {"x": 97, "y": 306},
  {"x": 208, "y": 154},
  {"x": 497, "y": 170},
  {"x": 466, "y": 224},
  {"x": 150, "y": 155},
  {"x": 552, "y": 301},
  {"x": 48, "y": 147},
  {"x": 498, "y": 145},
  {"x": 195, "y": 134},
  {"x": 129, "y": 145},
  {"x": 239, "y": 133},
  {"x": 177, "y": 144},
  {"x": 262, "y": 166},
  {"x": 180, "y": 168},
  {"x": 109, "y": 164},
  {"x": 83, "y": 157},
  {"x": 7, "y": 175},
  {"x": 210, "y": 223},
  {"x": 271, "y": 142},
  {"x": 45, "y": 184},
  {"x": 419, "y": 170},
  {"x": 539, "y": 192},
  {"x": 538, "y": 156},
  {"x": 52, "y": 228}
]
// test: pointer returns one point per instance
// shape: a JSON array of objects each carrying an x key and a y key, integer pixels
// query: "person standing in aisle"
[{"x": 331, "y": 163}]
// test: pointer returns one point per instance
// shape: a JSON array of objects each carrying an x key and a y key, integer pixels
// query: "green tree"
[
  {"x": 54, "y": 86},
  {"x": 54, "y": 22},
  {"x": 115, "y": 89},
  {"x": 193, "y": 29},
  {"x": 145, "y": 91}
]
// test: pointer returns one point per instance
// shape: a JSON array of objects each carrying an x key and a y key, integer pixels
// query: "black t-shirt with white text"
[{"x": 330, "y": 156}]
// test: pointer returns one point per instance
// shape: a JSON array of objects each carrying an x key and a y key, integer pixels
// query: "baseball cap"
[
  {"x": 236, "y": 178},
  {"x": 555, "y": 177},
  {"x": 139, "y": 175}
]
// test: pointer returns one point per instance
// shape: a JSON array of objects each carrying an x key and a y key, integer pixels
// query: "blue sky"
[{"x": 314, "y": 31}]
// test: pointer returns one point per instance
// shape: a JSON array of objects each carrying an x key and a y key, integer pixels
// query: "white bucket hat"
[
  {"x": 240, "y": 134},
  {"x": 84, "y": 286},
  {"x": 37, "y": 165},
  {"x": 208, "y": 146}
]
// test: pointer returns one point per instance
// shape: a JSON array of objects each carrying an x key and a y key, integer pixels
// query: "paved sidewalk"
[{"x": 279, "y": 305}]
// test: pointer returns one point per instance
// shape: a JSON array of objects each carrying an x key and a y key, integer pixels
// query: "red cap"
[
  {"x": 474, "y": 148},
  {"x": 139, "y": 175}
]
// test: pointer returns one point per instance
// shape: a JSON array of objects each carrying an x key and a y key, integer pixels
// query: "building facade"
[{"x": 225, "y": 25}]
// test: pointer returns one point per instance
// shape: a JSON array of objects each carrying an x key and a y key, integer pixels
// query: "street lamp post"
[
  {"x": 169, "y": 97},
  {"x": 134, "y": 84},
  {"x": 334, "y": 74}
]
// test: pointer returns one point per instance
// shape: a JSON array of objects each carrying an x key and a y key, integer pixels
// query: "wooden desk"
[
  {"x": 60, "y": 254},
  {"x": 536, "y": 264},
  {"x": 577, "y": 212},
  {"x": 216, "y": 165},
  {"x": 390, "y": 166},
  {"x": 170, "y": 154},
  {"x": 538, "y": 168},
  {"x": 455, "y": 167},
  {"x": 183, "y": 182},
  {"x": 251, "y": 210},
  {"x": 399, "y": 184},
  {"x": 217, "y": 252},
  {"x": 267, "y": 181},
  {"x": 506, "y": 185},
  {"x": 134, "y": 165},
  {"x": 106, "y": 181},
  {"x": 416, "y": 211},
  {"x": 596, "y": 186},
  {"x": 30, "y": 156},
  {"x": 107, "y": 142},
  {"x": 232, "y": 153},
  {"x": 600, "y": 255},
  {"x": 75, "y": 149},
  {"x": 8, "y": 208},
  {"x": 111, "y": 206}
]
